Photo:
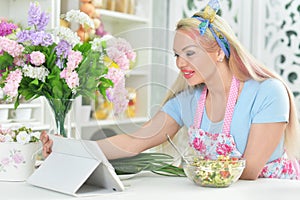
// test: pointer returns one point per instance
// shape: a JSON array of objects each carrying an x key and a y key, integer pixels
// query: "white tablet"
[{"x": 76, "y": 167}]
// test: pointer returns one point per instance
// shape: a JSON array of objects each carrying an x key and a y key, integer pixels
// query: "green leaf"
[
  {"x": 34, "y": 82},
  {"x": 6, "y": 60},
  {"x": 57, "y": 89},
  {"x": 17, "y": 103},
  {"x": 158, "y": 163},
  {"x": 84, "y": 48}
]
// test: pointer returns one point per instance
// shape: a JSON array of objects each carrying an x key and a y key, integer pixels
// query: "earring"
[{"x": 220, "y": 60}]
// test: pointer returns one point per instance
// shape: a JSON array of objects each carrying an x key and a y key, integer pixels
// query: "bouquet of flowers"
[
  {"x": 55, "y": 64},
  {"x": 20, "y": 135}
]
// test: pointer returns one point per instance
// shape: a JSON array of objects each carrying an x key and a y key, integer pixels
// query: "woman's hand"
[{"x": 47, "y": 144}]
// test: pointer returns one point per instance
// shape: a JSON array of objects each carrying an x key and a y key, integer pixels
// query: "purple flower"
[
  {"x": 34, "y": 14},
  {"x": 60, "y": 63},
  {"x": 47, "y": 40},
  {"x": 7, "y": 28},
  {"x": 37, "y": 18},
  {"x": 63, "y": 48},
  {"x": 44, "y": 20},
  {"x": 24, "y": 35},
  {"x": 36, "y": 38}
]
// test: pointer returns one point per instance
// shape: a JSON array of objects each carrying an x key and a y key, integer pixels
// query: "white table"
[{"x": 153, "y": 187}]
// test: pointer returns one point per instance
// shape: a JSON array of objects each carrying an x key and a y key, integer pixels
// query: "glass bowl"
[{"x": 221, "y": 172}]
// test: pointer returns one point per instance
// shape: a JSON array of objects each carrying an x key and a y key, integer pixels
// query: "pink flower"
[
  {"x": 72, "y": 80},
  {"x": 118, "y": 57},
  {"x": 18, "y": 158},
  {"x": 264, "y": 171},
  {"x": 199, "y": 145},
  {"x": 288, "y": 167},
  {"x": 118, "y": 96},
  {"x": 120, "y": 51},
  {"x": 131, "y": 55},
  {"x": 11, "y": 47},
  {"x": 224, "y": 149},
  {"x": 71, "y": 77},
  {"x": 214, "y": 137},
  {"x": 74, "y": 59},
  {"x": 37, "y": 58},
  {"x": 18, "y": 61},
  {"x": 12, "y": 83},
  {"x": 64, "y": 73},
  {"x": 5, "y": 161},
  {"x": 115, "y": 75}
]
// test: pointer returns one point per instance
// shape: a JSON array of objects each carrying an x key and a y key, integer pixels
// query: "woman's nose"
[{"x": 181, "y": 62}]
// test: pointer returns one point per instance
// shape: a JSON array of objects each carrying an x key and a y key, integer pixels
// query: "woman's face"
[{"x": 193, "y": 61}]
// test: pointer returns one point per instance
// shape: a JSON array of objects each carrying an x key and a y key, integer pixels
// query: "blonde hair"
[{"x": 244, "y": 66}]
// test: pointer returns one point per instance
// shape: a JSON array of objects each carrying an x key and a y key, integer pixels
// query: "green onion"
[{"x": 158, "y": 163}]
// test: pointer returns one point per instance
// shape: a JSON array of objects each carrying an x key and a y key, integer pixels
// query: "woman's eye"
[
  {"x": 176, "y": 55},
  {"x": 190, "y": 53}
]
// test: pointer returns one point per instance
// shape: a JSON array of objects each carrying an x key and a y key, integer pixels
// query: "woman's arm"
[
  {"x": 149, "y": 135},
  {"x": 124, "y": 145},
  {"x": 262, "y": 141}
]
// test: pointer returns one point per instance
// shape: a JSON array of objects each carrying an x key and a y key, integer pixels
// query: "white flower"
[
  {"x": 64, "y": 33},
  {"x": 23, "y": 137},
  {"x": 80, "y": 17},
  {"x": 35, "y": 72},
  {"x": 99, "y": 43}
]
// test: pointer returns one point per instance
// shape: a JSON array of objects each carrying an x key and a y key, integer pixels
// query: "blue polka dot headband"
[{"x": 210, "y": 12}]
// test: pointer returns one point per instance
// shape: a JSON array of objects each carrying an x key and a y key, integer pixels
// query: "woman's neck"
[{"x": 218, "y": 92}]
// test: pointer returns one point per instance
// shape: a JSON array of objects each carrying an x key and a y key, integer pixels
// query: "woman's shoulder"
[
  {"x": 266, "y": 92},
  {"x": 269, "y": 85}
]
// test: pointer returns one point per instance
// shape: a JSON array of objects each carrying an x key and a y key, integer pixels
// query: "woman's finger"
[
  {"x": 47, "y": 148},
  {"x": 44, "y": 137}
]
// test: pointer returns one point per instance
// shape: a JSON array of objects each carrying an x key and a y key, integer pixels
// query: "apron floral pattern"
[{"x": 212, "y": 145}]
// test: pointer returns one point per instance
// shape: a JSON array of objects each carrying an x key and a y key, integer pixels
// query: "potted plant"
[
  {"x": 55, "y": 64},
  {"x": 18, "y": 147}
]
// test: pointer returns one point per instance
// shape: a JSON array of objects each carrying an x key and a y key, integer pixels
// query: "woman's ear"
[{"x": 220, "y": 55}]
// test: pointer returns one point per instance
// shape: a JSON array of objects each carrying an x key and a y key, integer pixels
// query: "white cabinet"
[{"x": 27, "y": 114}]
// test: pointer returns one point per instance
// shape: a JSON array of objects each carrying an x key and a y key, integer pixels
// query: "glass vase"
[{"x": 61, "y": 109}]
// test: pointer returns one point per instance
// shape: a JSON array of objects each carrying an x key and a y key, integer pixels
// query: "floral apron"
[{"x": 212, "y": 145}]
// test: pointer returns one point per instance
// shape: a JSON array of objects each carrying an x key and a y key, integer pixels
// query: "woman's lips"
[{"x": 188, "y": 74}]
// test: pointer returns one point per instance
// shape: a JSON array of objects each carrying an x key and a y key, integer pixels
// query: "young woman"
[{"x": 231, "y": 103}]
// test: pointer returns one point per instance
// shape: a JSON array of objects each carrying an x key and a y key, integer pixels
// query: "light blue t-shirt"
[{"x": 259, "y": 102}]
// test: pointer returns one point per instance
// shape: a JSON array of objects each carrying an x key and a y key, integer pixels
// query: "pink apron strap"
[
  {"x": 200, "y": 108},
  {"x": 233, "y": 94}
]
